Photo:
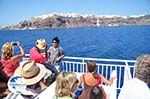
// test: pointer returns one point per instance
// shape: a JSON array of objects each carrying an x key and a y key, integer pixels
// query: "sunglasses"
[{"x": 55, "y": 42}]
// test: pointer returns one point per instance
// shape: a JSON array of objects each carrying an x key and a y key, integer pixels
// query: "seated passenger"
[
  {"x": 35, "y": 52},
  {"x": 90, "y": 79},
  {"x": 9, "y": 61},
  {"x": 137, "y": 88},
  {"x": 66, "y": 84},
  {"x": 3, "y": 76},
  {"x": 3, "y": 83},
  {"x": 39, "y": 57},
  {"x": 33, "y": 74}
]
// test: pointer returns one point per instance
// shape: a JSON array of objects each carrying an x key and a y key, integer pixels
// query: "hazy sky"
[{"x": 13, "y": 11}]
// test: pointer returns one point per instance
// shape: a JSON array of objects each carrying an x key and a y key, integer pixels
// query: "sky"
[{"x": 14, "y": 11}]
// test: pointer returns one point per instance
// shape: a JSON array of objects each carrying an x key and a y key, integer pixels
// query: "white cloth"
[
  {"x": 113, "y": 87},
  {"x": 111, "y": 90},
  {"x": 134, "y": 89}
]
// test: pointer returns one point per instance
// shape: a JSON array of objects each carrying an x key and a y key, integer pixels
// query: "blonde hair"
[
  {"x": 7, "y": 50},
  {"x": 64, "y": 83}
]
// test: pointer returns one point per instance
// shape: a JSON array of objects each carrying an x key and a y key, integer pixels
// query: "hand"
[
  {"x": 46, "y": 47},
  {"x": 18, "y": 43},
  {"x": 42, "y": 84},
  {"x": 58, "y": 59},
  {"x": 113, "y": 78}
]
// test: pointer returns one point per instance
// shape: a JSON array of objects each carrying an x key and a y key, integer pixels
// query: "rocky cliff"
[{"x": 57, "y": 20}]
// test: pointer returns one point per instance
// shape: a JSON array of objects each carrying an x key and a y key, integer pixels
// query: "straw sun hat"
[
  {"x": 41, "y": 43},
  {"x": 32, "y": 72}
]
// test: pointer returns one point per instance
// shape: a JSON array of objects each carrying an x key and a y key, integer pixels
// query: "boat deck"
[{"x": 123, "y": 70}]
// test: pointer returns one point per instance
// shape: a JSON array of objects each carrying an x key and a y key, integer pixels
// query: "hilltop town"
[{"x": 58, "y": 20}]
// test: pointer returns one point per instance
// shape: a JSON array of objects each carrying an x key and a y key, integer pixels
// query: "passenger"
[
  {"x": 33, "y": 74},
  {"x": 56, "y": 53},
  {"x": 3, "y": 76},
  {"x": 3, "y": 83},
  {"x": 73, "y": 82},
  {"x": 3, "y": 91},
  {"x": 36, "y": 54},
  {"x": 9, "y": 61},
  {"x": 66, "y": 84},
  {"x": 39, "y": 57},
  {"x": 96, "y": 93},
  {"x": 137, "y": 88},
  {"x": 90, "y": 79}
]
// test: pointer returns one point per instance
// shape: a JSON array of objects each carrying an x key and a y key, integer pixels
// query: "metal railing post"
[{"x": 83, "y": 62}]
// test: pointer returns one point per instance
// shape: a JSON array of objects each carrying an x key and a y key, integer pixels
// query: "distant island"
[{"x": 58, "y": 20}]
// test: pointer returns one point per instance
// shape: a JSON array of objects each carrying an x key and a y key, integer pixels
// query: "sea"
[{"x": 110, "y": 42}]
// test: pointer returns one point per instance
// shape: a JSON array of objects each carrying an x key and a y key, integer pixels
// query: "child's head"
[
  {"x": 64, "y": 83},
  {"x": 97, "y": 93},
  {"x": 91, "y": 66}
]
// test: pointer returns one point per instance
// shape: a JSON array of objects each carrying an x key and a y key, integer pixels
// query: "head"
[
  {"x": 91, "y": 66},
  {"x": 55, "y": 42},
  {"x": 142, "y": 68},
  {"x": 96, "y": 93},
  {"x": 41, "y": 44},
  {"x": 73, "y": 81},
  {"x": 64, "y": 83},
  {"x": 7, "y": 50},
  {"x": 32, "y": 72}
]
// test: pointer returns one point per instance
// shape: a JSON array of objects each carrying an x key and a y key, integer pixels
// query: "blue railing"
[{"x": 104, "y": 66}]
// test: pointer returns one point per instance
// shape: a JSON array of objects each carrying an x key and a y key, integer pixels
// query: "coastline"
[{"x": 66, "y": 21}]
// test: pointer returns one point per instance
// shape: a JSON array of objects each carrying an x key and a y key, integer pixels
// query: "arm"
[
  {"x": 21, "y": 55},
  {"x": 61, "y": 55},
  {"x": 46, "y": 51},
  {"x": 80, "y": 81},
  {"x": 109, "y": 82},
  {"x": 42, "y": 84}
]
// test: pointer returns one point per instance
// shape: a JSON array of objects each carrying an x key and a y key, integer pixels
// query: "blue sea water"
[{"x": 115, "y": 42}]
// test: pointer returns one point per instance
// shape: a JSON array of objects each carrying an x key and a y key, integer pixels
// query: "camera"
[{"x": 14, "y": 44}]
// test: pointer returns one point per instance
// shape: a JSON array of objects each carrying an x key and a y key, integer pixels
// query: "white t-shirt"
[{"x": 134, "y": 89}]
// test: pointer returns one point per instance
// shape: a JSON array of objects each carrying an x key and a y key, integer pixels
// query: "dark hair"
[
  {"x": 97, "y": 93},
  {"x": 56, "y": 39},
  {"x": 91, "y": 66}
]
